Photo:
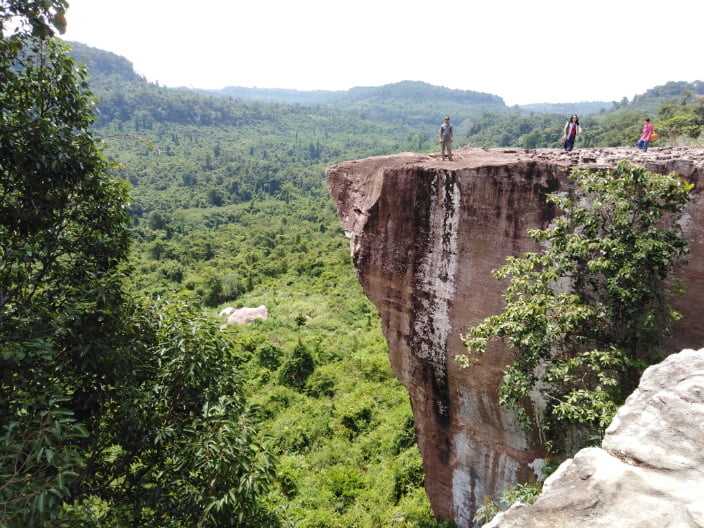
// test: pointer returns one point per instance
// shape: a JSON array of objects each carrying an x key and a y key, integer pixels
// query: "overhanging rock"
[{"x": 425, "y": 235}]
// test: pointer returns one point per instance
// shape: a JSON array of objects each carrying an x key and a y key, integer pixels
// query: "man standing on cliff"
[{"x": 447, "y": 134}]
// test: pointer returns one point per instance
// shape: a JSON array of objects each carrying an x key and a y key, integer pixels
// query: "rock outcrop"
[
  {"x": 425, "y": 235},
  {"x": 649, "y": 472},
  {"x": 247, "y": 315}
]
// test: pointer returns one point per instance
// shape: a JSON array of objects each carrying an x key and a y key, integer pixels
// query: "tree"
[
  {"x": 681, "y": 121},
  {"x": 39, "y": 19},
  {"x": 586, "y": 315},
  {"x": 184, "y": 449},
  {"x": 113, "y": 411},
  {"x": 297, "y": 368},
  {"x": 64, "y": 241}
]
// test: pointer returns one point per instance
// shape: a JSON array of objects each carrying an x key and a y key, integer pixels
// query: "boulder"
[
  {"x": 248, "y": 315},
  {"x": 649, "y": 472}
]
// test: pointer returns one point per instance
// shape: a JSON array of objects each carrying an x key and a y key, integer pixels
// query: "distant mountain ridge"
[
  {"x": 582, "y": 108},
  {"x": 407, "y": 91},
  {"x": 104, "y": 63},
  {"x": 416, "y": 104},
  {"x": 276, "y": 95},
  {"x": 417, "y": 91}
]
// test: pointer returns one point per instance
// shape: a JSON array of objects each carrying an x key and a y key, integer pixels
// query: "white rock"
[
  {"x": 226, "y": 311},
  {"x": 248, "y": 315},
  {"x": 649, "y": 472}
]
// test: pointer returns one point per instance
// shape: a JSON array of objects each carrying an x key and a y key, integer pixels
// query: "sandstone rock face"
[
  {"x": 425, "y": 235},
  {"x": 650, "y": 470}
]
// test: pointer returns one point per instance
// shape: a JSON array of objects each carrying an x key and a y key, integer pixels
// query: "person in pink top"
[{"x": 645, "y": 138}]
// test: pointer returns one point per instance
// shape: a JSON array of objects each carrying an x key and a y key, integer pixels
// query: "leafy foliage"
[
  {"x": 524, "y": 493},
  {"x": 586, "y": 314},
  {"x": 682, "y": 123},
  {"x": 113, "y": 412},
  {"x": 38, "y": 19},
  {"x": 60, "y": 274},
  {"x": 184, "y": 450}
]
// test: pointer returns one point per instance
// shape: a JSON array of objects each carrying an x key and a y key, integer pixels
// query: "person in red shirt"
[{"x": 645, "y": 138}]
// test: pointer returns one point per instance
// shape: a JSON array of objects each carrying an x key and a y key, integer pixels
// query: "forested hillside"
[
  {"x": 412, "y": 103},
  {"x": 229, "y": 208},
  {"x": 676, "y": 110}
]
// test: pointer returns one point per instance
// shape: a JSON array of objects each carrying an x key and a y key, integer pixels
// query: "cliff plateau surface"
[{"x": 425, "y": 235}]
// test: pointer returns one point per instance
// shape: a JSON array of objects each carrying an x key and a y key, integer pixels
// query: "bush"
[{"x": 296, "y": 369}]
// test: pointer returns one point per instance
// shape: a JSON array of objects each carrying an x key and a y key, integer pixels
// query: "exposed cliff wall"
[{"x": 425, "y": 235}]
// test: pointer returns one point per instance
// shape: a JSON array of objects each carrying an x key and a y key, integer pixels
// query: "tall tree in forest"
[
  {"x": 64, "y": 237},
  {"x": 111, "y": 412}
]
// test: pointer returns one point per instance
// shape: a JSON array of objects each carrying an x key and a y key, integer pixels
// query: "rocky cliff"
[{"x": 425, "y": 235}]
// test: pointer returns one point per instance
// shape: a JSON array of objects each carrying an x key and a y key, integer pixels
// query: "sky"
[{"x": 556, "y": 51}]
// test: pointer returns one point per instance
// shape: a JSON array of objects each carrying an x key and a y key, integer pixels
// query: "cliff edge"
[{"x": 425, "y": 235}]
